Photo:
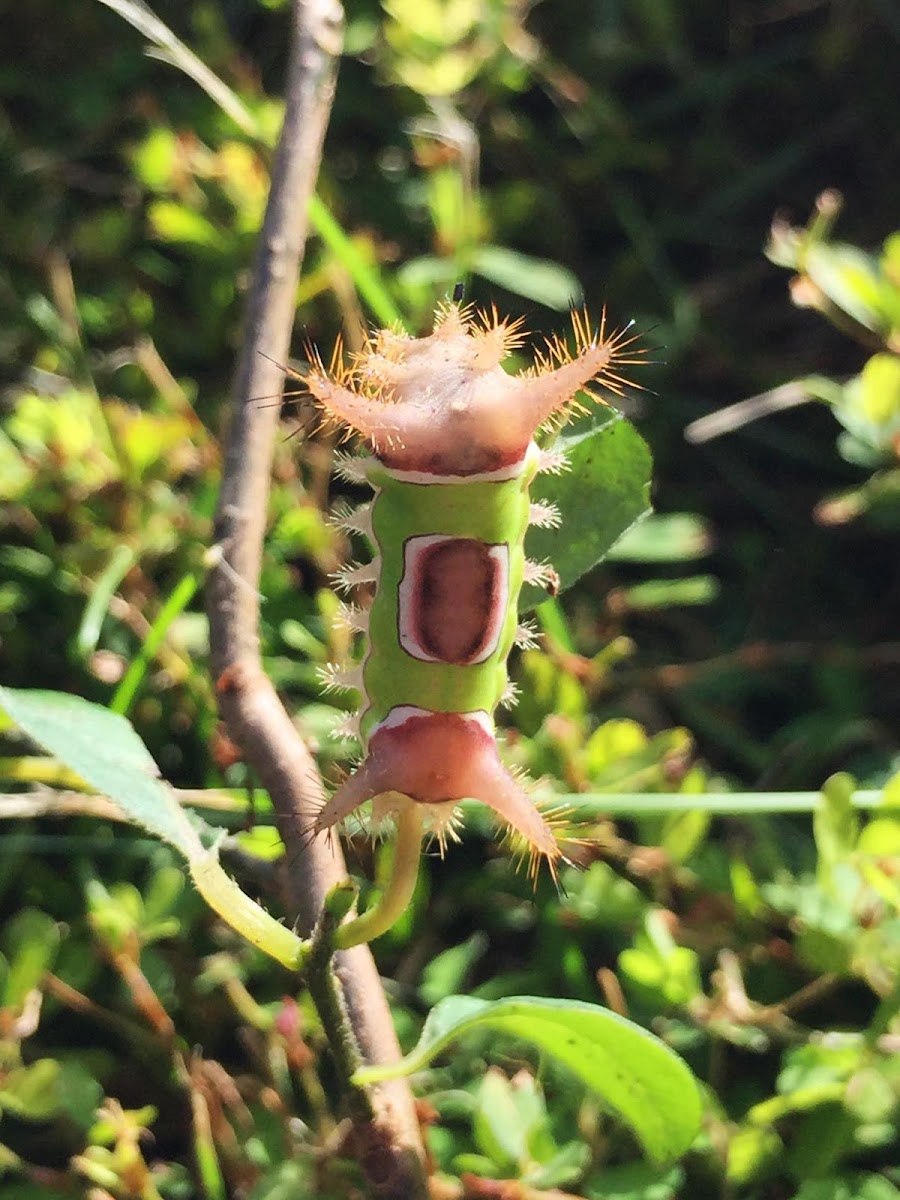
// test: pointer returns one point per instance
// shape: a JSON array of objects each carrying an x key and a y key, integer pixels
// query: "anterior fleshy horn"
[
  {"x": 369, "y": 417},
  {"x": 444, "y": 404}
]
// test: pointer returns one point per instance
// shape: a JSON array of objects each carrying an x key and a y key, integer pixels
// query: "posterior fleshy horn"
[{"x": 442, "y": 758}]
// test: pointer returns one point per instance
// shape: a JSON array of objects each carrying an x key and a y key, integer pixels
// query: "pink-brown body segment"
[
  {"x": 452, "y": 435},
  {"x": 453, "y": 597}
]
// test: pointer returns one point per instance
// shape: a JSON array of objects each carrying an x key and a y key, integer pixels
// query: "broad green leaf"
[
  {"x": 604, "y": 493},
  {"x": 639, "y": 1077},
  {"x": 79, "y": 1092},
  {"x": 497, "y": 1123},
  {"x": 103, "y": 748}
]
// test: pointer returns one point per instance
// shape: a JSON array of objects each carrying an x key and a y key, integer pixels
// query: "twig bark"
[{"x": 389, "y": 1144}]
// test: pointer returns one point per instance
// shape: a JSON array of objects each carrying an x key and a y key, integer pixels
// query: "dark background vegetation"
[{"x": 645, "y": 147}]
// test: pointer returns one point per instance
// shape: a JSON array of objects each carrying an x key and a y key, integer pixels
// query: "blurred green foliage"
[
  {"x": 859, "y": 293},
  {"x": 627, "y": 154}
]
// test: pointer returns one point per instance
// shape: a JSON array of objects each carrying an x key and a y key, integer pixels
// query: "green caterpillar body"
[
  {"x": 473, "y": 532},
  {"x": 453, "y": 461}
]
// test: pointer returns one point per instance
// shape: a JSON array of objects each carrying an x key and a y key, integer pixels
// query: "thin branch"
[
  {"x": 390, "y": 1143},
  {"x": 726, "y": 420}
]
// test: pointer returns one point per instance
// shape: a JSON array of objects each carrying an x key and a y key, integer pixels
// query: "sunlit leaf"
[
  {"x": 105, "y": 751},
  {"x": 174, "y": 222},
  {"x": 638, "y": 1076},
  {"x": 30, "y": 943},
  {"x": 849, "y": 278},
  {"x": 536, "y": 279},
  {"x": 604, "y": 492},
  {"x": 32, "y": 1092}
]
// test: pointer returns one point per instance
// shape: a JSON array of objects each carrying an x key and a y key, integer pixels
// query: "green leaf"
[
  {"x": 638, "y": 1181},
  {"x": 880, "y": 398},
  {"x": 174, "y": 222},
  {"x": 30, "y": 943},
  {"x": 664, "y": 537},
  {"x": 10, "y": 1163},
  {"x": 860, "y": 1187},
  {"x": 286, "y": 1181},
  {"x": 639, "y": 1077},
  {"x": 31, "y": 1092},
  {"x": 667, "y": 593},
  {"x": 79, "y": 1093},
  {"x": 868, "y": 406},
  {"x": 536, "y": 279},
  {"x": 155, "y": 160},
  {"x": 120, "y": 563},
  {"x": 850, "y": 278},
  {"x": 563, "y": 1170},
  {"x": 604, "y": 493},
  {"x": 752, "y": 1152},
  {"x": 15, "y": 474},
  {"x": 497, "y": 1124},
  {"x": 447, "y": 972},
  {"x": 364, "y": 273},
  {"x": 105, "y": 751},
  {"x": 835, "y": 827}
]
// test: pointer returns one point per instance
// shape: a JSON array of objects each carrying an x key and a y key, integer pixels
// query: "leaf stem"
[
  {"x": 400, "y": 887},
  {"x": 235, "y": 907}
]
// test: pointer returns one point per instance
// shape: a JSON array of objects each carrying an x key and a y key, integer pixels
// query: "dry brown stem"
[{"x": 389, "y": 1143}]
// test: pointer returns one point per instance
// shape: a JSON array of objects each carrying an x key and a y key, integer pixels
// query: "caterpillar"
[{"x": 452, "y": 458}]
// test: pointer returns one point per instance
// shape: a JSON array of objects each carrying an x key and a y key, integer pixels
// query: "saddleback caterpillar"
[{"x": 451, "y": 460}]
